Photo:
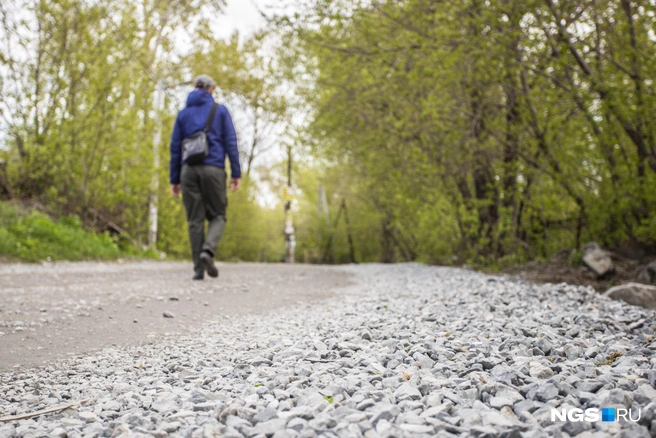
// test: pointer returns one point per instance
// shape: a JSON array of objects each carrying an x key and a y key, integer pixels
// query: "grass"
[
  {"x": 31, "y": 236},
  {"x": 611, "y": 359}
]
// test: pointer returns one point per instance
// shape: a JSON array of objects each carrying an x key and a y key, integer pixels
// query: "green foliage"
[
  {"x": 33, "y": 237},
  {"x": 313, "y": 231},
  {"x": 575, "y": 258},
  {"x": 482, "y": 132},
  {"x": 81, "y": 118},
  {"x": 470, "y": 131},
  {"x": 252, "y": 233}
]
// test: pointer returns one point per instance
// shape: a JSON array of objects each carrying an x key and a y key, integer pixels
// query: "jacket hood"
[{"x": 199, "y": 98}]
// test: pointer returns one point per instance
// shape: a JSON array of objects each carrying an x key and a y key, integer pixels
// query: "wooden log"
[{"x": 44, "y": 411}]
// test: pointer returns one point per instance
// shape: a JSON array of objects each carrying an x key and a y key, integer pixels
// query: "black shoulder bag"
[{"x": 194, "y": 147}]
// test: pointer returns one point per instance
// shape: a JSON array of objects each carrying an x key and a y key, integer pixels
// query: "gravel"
[{"x": 408, "y": 351}]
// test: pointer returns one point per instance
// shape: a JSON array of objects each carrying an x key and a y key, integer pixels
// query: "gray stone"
[
  {"x": 483, "y": 432},
  {"x": 58, "y": 432},
  {"x": 303, "y": 411},
  {"x": 134, "y": 421},
  {"x": 591, "y": 352},
  {"x": 286, "y": 433},
  {"x": 71, "y": 422},
  {"x": 209, "y": 430},
  {"x": 260, "y": 361},
  {"x": 322, "y": 421},
  {"x": 470, "y": 417},
  {"x": 648, "y": 413},
  {"x": 111, "y": 405},
  {"x": 265, "y": 415},
  {"x": 616, "y": 397},
  {"x": 544, "y": 345},
  {"x": 231, "y": 410},
  {"x": 437, "y": 410},
  {"x": 170, "y": 427},
  {"x": 497, "y": 419},
  {"x": 364, "y": 404},
  {"x": 236, "y": 422},
  {"x": 246, "y": 413},
  {"x": 547, "y": 392},
  {"x": 122, "y": 430},
  {"x": 163, "y": 405},
  {"x": 539, "y": 371},
  {"x": 7, "y": 431},
  {"x": 297, "y": 424},
  {"x": 407, "y": 392},
  {"x": 385, "y": 412},
  {"x": 204, "y": 407},
  {"x": 597, "y": 259},
  {"x": 574, "y": 428},
  {"x": 424, "y": 361},
  {"x": 270, "y": 427},
  {"x": 87, "y": 417},
  {"x": 524, "y": 406},
  {"x": 647, "y": 274},
  {"x": 232, "y": 433},
  {"x": 499, "y": 402},
  {"x": 197, "y": 396},
  {"x": 505, "y": 374},
  {"x": 634, "y": 293},
  {"x": 417, "y": 429},
  {"x": 589, "y": 386},
  {"x": 356, "y": 418},
  {"x": 634, "y": 431},
  {"x": 446, "y": 373},
  {"x": 490, "y": 362},
  {"x": 348, "y": 346},
  {"x": 509, "y": 394},
  {"x": 647, "y": 392}
]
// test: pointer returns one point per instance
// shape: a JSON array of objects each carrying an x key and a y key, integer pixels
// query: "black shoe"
[
  {"x": 198, "y": 275},
  {"x": 206, "y": 258}
]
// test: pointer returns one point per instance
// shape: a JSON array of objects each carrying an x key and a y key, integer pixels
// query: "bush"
[{"x": 33, "y": 237}]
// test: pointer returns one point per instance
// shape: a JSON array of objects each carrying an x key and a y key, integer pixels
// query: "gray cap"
[{"x": 203, "y": 81}]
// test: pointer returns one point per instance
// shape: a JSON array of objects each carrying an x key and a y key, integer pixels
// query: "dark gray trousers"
[{"x": 204, "y": 198}]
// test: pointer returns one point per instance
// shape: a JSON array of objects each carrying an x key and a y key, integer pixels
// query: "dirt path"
[{"x": 57, "y": 311}]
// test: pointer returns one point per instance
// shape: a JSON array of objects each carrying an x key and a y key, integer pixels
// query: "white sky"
[{"x": 241, "y": 15}]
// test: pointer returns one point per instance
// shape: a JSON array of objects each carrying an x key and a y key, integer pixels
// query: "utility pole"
[
  {"x": 289, "y": 226},
  {"x": 154, "y": 183},
  {"x": 323, "y": 204},
  {"x": 325, "y": 212},
  {"x": 348, "y": 232}
]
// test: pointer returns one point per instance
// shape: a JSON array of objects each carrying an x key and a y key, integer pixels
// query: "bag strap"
[{"x": 211, "y": 117}]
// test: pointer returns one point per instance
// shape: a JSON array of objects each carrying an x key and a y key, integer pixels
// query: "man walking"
[{"x": 203, "y": 185}]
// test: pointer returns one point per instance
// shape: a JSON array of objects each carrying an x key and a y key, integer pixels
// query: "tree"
[{"x": 524, "y": 121}]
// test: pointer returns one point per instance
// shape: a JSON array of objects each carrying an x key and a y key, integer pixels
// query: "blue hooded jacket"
[{"x": 221, "y": 138}]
